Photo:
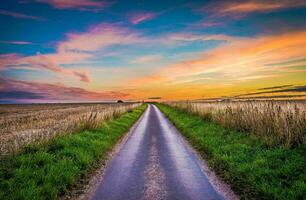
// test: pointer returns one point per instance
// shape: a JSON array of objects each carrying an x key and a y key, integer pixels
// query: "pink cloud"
[
  {"x": 82, "y": 75},
  {"x": 78, "y": 47},
  {"x": 8, "y": 59},
  {"x": 210, "y": 24},
  {"x": 38, "y": 62},
  {"x": 45, "y": 62},
  {"x": 140, "y": 17},
  {"x": 48, "y": 91},
  {"x": 21, "y": 15},
  {"x": 15, "y": 42},
  {"x": 98, "y": 37},
  {"x": 80, "y": 4}
]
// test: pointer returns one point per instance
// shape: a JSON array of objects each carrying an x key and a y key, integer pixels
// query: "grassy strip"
[
  {"x": 46, "y": 172},
  {"x": 254, "y": 169}
]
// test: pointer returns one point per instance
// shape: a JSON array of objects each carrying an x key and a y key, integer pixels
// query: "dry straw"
[
  {"x": 28, "y": 124},
  {"x": 278, "y": 122}
]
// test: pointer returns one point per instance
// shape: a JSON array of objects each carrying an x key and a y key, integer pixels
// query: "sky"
[{"x": 87, "y": 50}]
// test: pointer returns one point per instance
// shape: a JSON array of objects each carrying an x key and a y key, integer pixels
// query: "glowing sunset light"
[{"x": 89, "y": 50}]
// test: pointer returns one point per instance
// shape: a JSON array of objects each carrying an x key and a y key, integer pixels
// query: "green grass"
[
  {"x": 47, "y": 171},
  {"x": 254, "y": 169}
]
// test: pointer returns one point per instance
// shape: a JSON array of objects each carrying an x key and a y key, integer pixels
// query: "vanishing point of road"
[{"x": 154, "y": 163}]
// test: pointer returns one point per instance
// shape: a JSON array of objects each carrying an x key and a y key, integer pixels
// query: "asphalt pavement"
[{"x": 154, "y": 163}]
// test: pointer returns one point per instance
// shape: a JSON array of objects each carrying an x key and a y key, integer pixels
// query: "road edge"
[
  {"x": 96, "y": 176},
  {"x": 220, "y": 186}
]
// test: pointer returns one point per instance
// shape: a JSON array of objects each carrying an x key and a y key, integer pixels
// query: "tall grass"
[
  {"x": 48, "y": 171},
  {"x": 282, "y": 122},
  {"x": 253, "y": 169},
  {"x": 22, "y": 125}
]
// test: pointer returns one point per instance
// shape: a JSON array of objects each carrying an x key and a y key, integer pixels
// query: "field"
[
  {"x": 49, "y": 170},
  {"x": 256, "y": 147},
  {"x": 277, "y": 122},
  {"x": 250, "y": 164},
  {"x": 35, "y": 123}
]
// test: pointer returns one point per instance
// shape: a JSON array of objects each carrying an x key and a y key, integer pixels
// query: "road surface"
[{"x": 154, "y": 163}]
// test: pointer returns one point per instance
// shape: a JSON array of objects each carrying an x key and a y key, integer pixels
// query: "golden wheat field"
[
  {"x": 278, "y": 122},
  {"x": 35, "y": 123}
]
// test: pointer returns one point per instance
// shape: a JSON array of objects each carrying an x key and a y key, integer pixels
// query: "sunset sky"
[{"x": 86, "y": 50}]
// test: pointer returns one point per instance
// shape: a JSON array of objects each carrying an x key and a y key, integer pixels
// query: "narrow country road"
[{"x": 154, "y": 163}]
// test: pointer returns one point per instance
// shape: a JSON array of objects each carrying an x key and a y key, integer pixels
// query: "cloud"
[
  {"x": 239, "y": 8},
  {"x": 154, "y": 97},
  {"x": 190, "y": 37},
  {"x": 99, "y": 37},
  {"x": 275, "y": 96},
  {"x": 275, "y": 87},
  {"x": 139, "y": 17},
  {"x": 208, "y": 23},
  {"x": 247, "y": 56},
  {"x": 83, "y": 76},
  {"x": 21, "y": 15},
  {"x": 16, "y": 42},
  {"x": 37, "y": 62},
  {"x": 45, "y": 62},
  {"x": 16, "y": 94},
  {"x": 12, "y": 89},
  {"x": 76, "y": 48},
  {"x": 8, "y": 59},
  {"x": 150, "y": 79},
  {"x": 146, "y": 59},
  {"x": 238, "y": 59},
  {"x": 77, "y": 4},
  {"x": 294, "y": 89}
]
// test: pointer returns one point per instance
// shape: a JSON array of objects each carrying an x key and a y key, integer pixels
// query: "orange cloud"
[
  {"x": 146, "y": 80},
  {"x": 240, "y": 59},
  {"x": 247, "y": 54},
  {"x": 250, "y": 6}
]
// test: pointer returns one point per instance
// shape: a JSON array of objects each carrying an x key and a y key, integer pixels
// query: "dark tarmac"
[{"x": 154, "y": 163}]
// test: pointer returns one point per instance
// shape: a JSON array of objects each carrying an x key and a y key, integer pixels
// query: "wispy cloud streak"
[
  {"x": 139, "y": 17},
  {"x": 38, "y": 62},
  {"x": 21, "y": 15},
  {"x": 239, "y": 59},
  {"x": 90, "y": 5},
  {"x": 77, "y": 47},
  {"x": 16, "y": 42},
  {"x": 240, "y": 8}
]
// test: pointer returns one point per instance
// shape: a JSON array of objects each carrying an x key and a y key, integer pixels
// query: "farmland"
[
  {"x": 277, "y": 122},
  {"x": 36, "y": 123},
  {"x": 258, "y": 148},
  {"x": 255, "y": 148},
  {"x": 50, "y": 169}
]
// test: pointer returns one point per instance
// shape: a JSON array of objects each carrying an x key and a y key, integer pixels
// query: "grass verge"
[
  {"x": 254, "y": 169},
  {"x": 47, "y": 171}
]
